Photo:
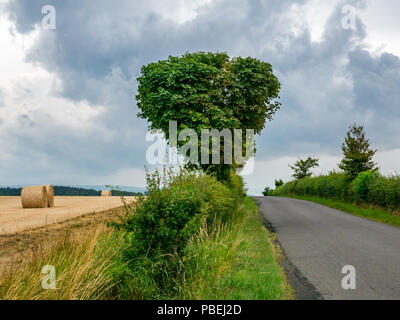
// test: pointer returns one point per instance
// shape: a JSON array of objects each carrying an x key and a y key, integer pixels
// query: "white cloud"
[
  {"x": 181, "y": 11},
  {"x": 28, "y": 89},
  {"x": 31, "y": 110},
  {"x": 14, "y": 47},
  {"x": 382, "y": 21},
  {"x": 388, "y": 161},
  {"x": 380, "y": 18},
  {"x": 315, "y": 14}
]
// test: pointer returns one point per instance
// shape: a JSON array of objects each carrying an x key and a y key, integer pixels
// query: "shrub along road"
[{"x": 320, "y": 241}]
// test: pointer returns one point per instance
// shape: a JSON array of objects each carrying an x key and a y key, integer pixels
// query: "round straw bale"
[
  {"x": 106, "y": 193},
  {"x": 34, "y": 197},
  {"x": 50, "y": 196}
]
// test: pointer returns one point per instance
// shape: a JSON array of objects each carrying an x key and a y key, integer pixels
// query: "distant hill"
[
  {"x": 69, "y": 191},
  {"x": 102, "y": 187}
]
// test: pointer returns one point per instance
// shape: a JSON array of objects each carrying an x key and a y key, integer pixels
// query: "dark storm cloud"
[
  {"x": 377, "y": 81},
  {"x": 95, "y": 37},
  {"x": 327, "y": 86},
  {"x": 99, "y": 47}
]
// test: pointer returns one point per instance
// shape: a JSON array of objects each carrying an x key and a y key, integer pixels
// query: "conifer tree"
[{"x": 358, "y": 155}]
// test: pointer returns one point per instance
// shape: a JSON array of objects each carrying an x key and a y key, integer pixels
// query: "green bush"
[
  {"x": 287, "y": 188},
  {"x": 158, "y": 229},
  {"x": 385, "y": 192},
  {"x": 267, "y": 191},
  {"x": 279, "y": 183},
  {"x": 236, "y": 184},
  {"x": 360, "y": 186}
]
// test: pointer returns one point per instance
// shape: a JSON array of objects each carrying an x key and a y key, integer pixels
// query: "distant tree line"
[
  {"x": 70, "y": 191},
  {"x": 10, "y": 192}
]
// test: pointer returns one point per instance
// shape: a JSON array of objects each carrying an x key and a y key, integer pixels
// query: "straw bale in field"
[
  {"x": 50, "y": 196},
  {"x": 34, "y": 197}
]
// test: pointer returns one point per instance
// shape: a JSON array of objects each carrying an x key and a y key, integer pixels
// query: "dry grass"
[
  {"x": 84, "y": 267},
  {"x": 14, "y": 219}
]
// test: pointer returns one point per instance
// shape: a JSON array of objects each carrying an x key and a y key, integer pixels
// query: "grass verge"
[
  {"x": 237, "y": 261},
  {"x": 374, "y": 214},
  {"x": 234, "y": 260}
]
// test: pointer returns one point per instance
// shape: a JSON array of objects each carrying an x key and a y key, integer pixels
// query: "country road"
[{"x": 320, "y": 241}]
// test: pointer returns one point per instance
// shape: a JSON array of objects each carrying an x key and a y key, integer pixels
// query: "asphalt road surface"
[{"x": 320, "y": 241}]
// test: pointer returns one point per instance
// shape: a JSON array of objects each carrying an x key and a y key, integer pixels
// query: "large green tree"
[
  {"x": 208, "y": 91},
  {"x": 357, "y": 153}
]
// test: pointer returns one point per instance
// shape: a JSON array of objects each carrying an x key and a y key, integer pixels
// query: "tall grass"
[
  {"x": 234, "y": 261},
  {"x": 86, "y": 268}
]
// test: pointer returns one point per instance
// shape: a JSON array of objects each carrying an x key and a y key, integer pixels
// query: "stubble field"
[{"x": 13, "y": 218}]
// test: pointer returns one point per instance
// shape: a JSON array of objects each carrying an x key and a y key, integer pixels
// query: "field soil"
[{"x": 14, "y": 219}]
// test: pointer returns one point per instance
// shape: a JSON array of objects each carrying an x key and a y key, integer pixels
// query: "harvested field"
[
  {"x": 14, "y": 219},
  {"x": 21, "y": 247}
]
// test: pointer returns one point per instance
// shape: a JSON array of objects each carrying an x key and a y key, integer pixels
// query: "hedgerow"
[{"x": 369, "y": 188}]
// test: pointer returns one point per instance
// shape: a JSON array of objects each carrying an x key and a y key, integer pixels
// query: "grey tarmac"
[{"x": 319, "y": 241}]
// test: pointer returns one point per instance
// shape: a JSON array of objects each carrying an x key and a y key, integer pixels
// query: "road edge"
[{"x": 302, "y": 287}]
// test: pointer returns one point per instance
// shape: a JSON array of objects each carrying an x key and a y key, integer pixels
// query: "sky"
[{"x": 67, "y": 110}]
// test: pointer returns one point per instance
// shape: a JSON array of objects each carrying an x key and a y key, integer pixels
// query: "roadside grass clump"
[
  {"x": 86, "y": 268},
  {"x": 235, "y": 261}
]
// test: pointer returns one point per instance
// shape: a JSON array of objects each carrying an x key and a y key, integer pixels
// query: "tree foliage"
[
  {"x": 357, "y": 154},
  {"x": 267, "y": 191},
  {"x": 208, "y": 91},
  {"x": 278, "y": 183},
  {"x": 302, "y": 168}
]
